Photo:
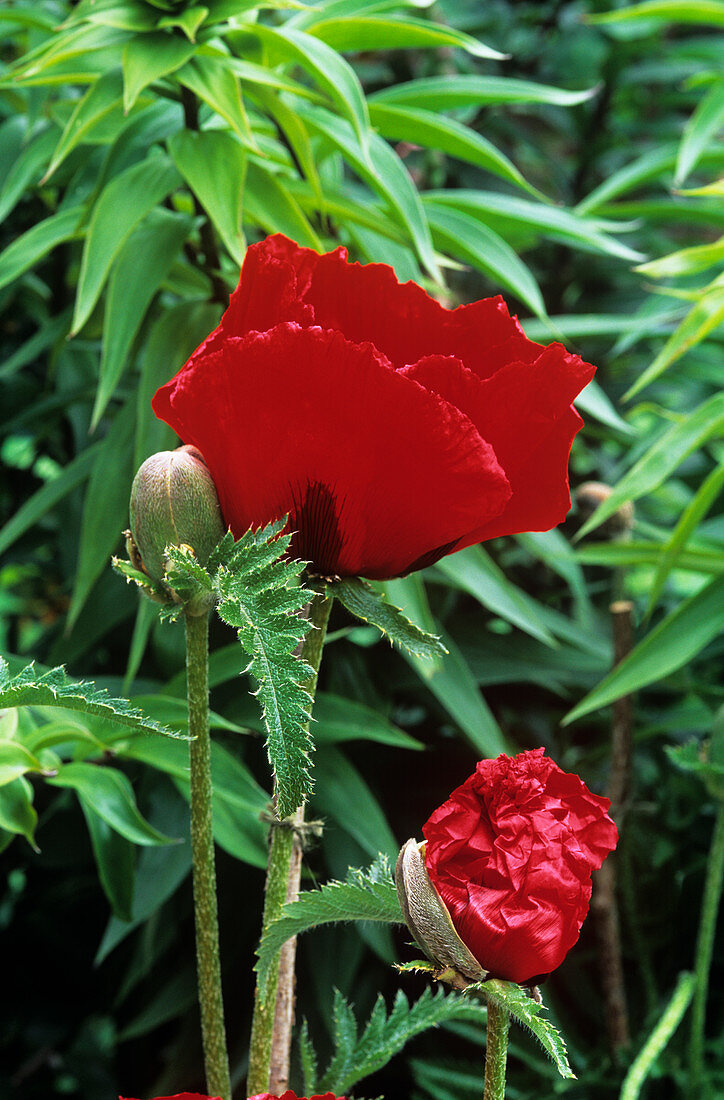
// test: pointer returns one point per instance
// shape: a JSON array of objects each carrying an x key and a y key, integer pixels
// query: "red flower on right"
[
  {"x": 511, "y": 854},
  {"x": 292, "y": 1096}
]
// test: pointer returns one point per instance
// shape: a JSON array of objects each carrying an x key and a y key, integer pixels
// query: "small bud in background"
[
  {"x": 588, "y": 497},
  {"x": 173, "y": 503},
  {"x": 428, "y": 918}
]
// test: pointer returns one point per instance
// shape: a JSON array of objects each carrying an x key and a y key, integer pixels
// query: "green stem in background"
[
  {"x": 274, "y": 1002},
  {"x": 670, "y": 1019},
  {"x": 704, "y": 949},
  {"x": 216, "y": 1060},
  {"x": 496, "y": 1051}
]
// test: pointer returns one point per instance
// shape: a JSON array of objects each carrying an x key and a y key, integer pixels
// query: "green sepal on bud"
[
  {"x": 173, "y": 504},
  {"x": 429, "y": 921}
]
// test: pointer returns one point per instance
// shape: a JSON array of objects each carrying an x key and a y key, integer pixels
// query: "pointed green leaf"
[
  {"x": 705, "y": 317},
  {"x": 25, "y": 168},
  {"x": 35, "y": 243},
  {"x": 209, "y": 77},
  {"x": 451, "y": 680},
  {"x": 269, "y": 204},
  {"x": 159, "y": 870},
  {"x": 123, "y": 203},
  {"x": 369, "y": 605},
  {"x": 213, "y": 163},
  {"x": 669, "y": 646},
  {"x": 105, "y": 508},
  {"x": 377, "y": 32},
  {"x": 704, "y": 125},
  {"x": 148, "y": 57},
  {"x": 338, "y": 719},
  {"x": 709, "y": 12},
  {"x": 473, "y": 242},
  {"x": 328, "y": 69},
  {"x": 440, "y": 93},
  {"x": 16, "y": 760},
  {"x": 17, "y": 813},
  {"x": 152, "y": 249},
  {"x": 103, "y": 97},
  {"x": 508, "y": 212},
  {"x": 386, "y": 175},
  {"x": 474, "y": 571},
  {"x": 339, "y": 786},
  {"x": 435, "y": 131},
  {"x": 50, "y": 494},
  {"x": 115, "y": 860},
  {"x": 687, "y": 261},
  {"x": 108, "y": 793},
  {"x": 187, "y": 21},
  {"x": 704, "y": 498},
  {"x": 669, "y": 450}
]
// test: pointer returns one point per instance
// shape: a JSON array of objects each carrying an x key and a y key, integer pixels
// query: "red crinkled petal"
[
  {"x": 377, "y": 473},
  {"x": 289, "y": 1095},
  {"x": 511, "y": 854},
  {"x": 183, "y": 1096},
  {"x": 366, "y": 302},
  {"x": 282, "y": 282},
  {"x": 524, "y": 410}
]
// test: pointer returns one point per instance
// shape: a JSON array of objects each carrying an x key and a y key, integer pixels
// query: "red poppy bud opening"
[{"x": 510, "y": 855}]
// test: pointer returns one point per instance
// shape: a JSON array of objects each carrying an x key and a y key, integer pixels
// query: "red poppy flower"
[
  {"x": 393, "y": 431},
  {"x": 181, "y": 1096},
  {"x": 292, "y": 1096},
  {"x": 511, "y": 854}
]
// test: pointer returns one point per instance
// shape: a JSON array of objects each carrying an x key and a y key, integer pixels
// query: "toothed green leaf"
[
  {"x": 54, "y": 689},
  {"x": 362, "y": 601},
  {"x": 527, "y": 1012},
  {"x": 260, "y": 594},
  {"x": 357, "y": 1056},
  {"x": 366, "y": 895}
]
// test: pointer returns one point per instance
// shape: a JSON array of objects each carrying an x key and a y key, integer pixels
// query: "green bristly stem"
[
  {"x": 273, "y": 1005},
  {"x": 704, "y": 949},
  {"x": 216, "y": 1060},
  {"x": 496, "y": 1051}
]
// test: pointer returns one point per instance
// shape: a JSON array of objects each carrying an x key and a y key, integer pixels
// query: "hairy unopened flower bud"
[
  {"x": 427, "y": 916},
  {"x": 174, "y": 503},
  {"x": 592, "y": 493}
]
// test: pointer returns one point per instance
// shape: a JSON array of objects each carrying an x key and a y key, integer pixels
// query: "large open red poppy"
[{"x": 392, "y": 430}]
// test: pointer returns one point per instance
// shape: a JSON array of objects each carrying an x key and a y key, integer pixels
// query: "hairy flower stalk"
[
  {"x": 496, "y": 1051},
  {"x": 208, "y": 964},
  {"x": 274, "y": 1002},
  {"x": 174, "y": 505}
]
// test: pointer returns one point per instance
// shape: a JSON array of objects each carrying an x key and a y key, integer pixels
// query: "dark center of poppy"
[{"x": 314, "y": 521}]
